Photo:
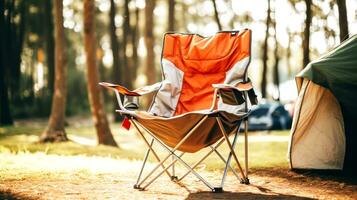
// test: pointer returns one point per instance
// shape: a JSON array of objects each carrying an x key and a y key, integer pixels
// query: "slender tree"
[
  {"x": 12, "y": 29},
  {"x": 171, "y": 16},
  {"x": 288, "y": 53},
  {"x": 343, "y": 23},
  {"x": 183, "y": 16},
  {"x": 114, "y": 42},
  {"x": 94, "y": 93},
  {"x": 306, "y": 38},
  {"x": 47, "y": 11},
  {"x": 126, "y": 41},
  {"x": 149, "y": 41},
  {"x": 5, "y": 115},
  {"x": 276, "y": 57},
  {"x": 216, "y": 15},
  {"x": 265, "y": 53},
  {"x": 55, "y": 130},
  {"x": 134, "y": 44}
]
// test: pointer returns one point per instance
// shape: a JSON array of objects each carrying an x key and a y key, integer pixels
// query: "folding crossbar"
[{"x": 241, "y": 176}]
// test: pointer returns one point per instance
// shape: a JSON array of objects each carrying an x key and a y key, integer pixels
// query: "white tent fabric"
[{"x": 317, "y": 133}]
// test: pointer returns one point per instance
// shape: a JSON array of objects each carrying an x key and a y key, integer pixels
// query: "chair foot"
[
  {"x": 136, "y": 186},
  {"x": 245, "y": 181},
  {"x": 174, "y": 178},
  {"x": 217, "y": 190}
]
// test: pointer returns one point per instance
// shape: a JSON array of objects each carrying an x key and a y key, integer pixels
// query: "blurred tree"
[
  {"x": 150, "y": 70},
  {"x": 126, "y": 41},
  {"x": 49, "y": 41},
  {"x": 94, "y": 93},
  {"x": 343, "y": 23},
  {"x": 5, "y": 115},
  {"x": 265, "y": 53},
  {"x": 171, "y": 16},
  {"x": 276, "y": 57},
  {"x": 288, "y": 52},
  {"x": 12, "y": 25},
  {"x": 330, "y": 32},
  {"x": 134, "y": 44},
  {"x": 216, "y": 15},
  {"x": 117, "y": 71},
  {"x": 183, "y": 17},
  {"x": 55, "y": 131},
  {"x": 306, "y": 38}
]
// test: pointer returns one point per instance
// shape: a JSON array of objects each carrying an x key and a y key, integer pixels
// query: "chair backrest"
[{"x": 192, "y": 63}]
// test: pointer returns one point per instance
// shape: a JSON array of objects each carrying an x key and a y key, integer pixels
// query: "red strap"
[{"x": 126, "y": 123}]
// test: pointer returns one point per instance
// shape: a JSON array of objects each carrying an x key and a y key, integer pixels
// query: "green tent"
[{"x": 326, "y": 111}]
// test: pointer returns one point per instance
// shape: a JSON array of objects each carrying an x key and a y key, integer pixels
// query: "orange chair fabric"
[{"x": 203, "y": 61}]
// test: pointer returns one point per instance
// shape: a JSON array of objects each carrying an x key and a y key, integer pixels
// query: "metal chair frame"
[{"x": 142, "y": 183}]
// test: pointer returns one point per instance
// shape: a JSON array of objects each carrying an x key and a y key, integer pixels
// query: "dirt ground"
[{"x": 118, "y": 184}]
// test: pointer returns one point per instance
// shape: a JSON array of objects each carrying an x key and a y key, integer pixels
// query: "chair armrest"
[
  {"x": 137, "y": 92},
  {"x": 239, "y": 90},
  {"x": 128, "y": 105},
  {"x": 239, "y": 86}
]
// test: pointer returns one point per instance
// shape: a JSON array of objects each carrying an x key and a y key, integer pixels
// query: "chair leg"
[
  {"x": 173, "y": 177},
  {"x": 193, "y": 171},
  {"x": 204, "y": 157},
  {"x": 246, "y": 181},
  {"x": 246, "y": 150},
  {"x": 231, "y": 149},
  {"x": 150, "y": 147},
  {"x": 136, "y": 186},
  {"x": 177, "y": 158},
  {"x": 171, "y": 151},
  {"x": 160, "y": 173},
  {"x": 213, "y": 149},
  {"x": 229, "y": 160},
  {"x": 225, "y": 162}
]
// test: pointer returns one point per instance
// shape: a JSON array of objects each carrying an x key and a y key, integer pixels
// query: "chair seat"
[{"x": 172, "y": 130}]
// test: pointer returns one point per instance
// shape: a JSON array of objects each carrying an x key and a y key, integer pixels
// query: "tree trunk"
[
  {"x": 49, "y": 45},
  {"x": 94, "y": 93},
  {"x": 265, "y": 53},
  {"x": 288, "y": 54},
  {"x": 306, "y": 39},
  {"x": 12, "y": 35},
  {"x": 171, "y": 16},
  {"x": 183, "y": 16},
  {"x": 150, "y": 70},
  {"x": 117, "y": 72},
  {"x": 134, "y": 45},
  {"x": 5, "y": 115},
  {"x": 55, "y": 131},
  {"x": 126, "y": 39},
  {"x": 13, "y": 42},
  {"x": 343, "y": 22},
  {"x": 216, "y": 16},
  {"x": 276, "y": 59}
]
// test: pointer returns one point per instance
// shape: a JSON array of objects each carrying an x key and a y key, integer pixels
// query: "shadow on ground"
[
  {"x": 299, "y": 176},
  {"x": 8, "y": 195},
  {"x": 239, "y": 195}
]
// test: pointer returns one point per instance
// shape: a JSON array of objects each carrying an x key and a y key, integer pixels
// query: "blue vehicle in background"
[{"x": 269, "y": 116}]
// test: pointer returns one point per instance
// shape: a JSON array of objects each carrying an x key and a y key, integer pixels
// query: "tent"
[{"x": 324, "y": 129}]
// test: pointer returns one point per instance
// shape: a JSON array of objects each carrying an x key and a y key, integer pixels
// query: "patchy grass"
[
  {"x": 68, "y": 170},
  {"x": 25, "y": 139},
  {"x": 263, "y": 152}
]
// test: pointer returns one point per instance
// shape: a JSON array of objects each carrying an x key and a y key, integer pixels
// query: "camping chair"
[{"x": 204, "y": 97}]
